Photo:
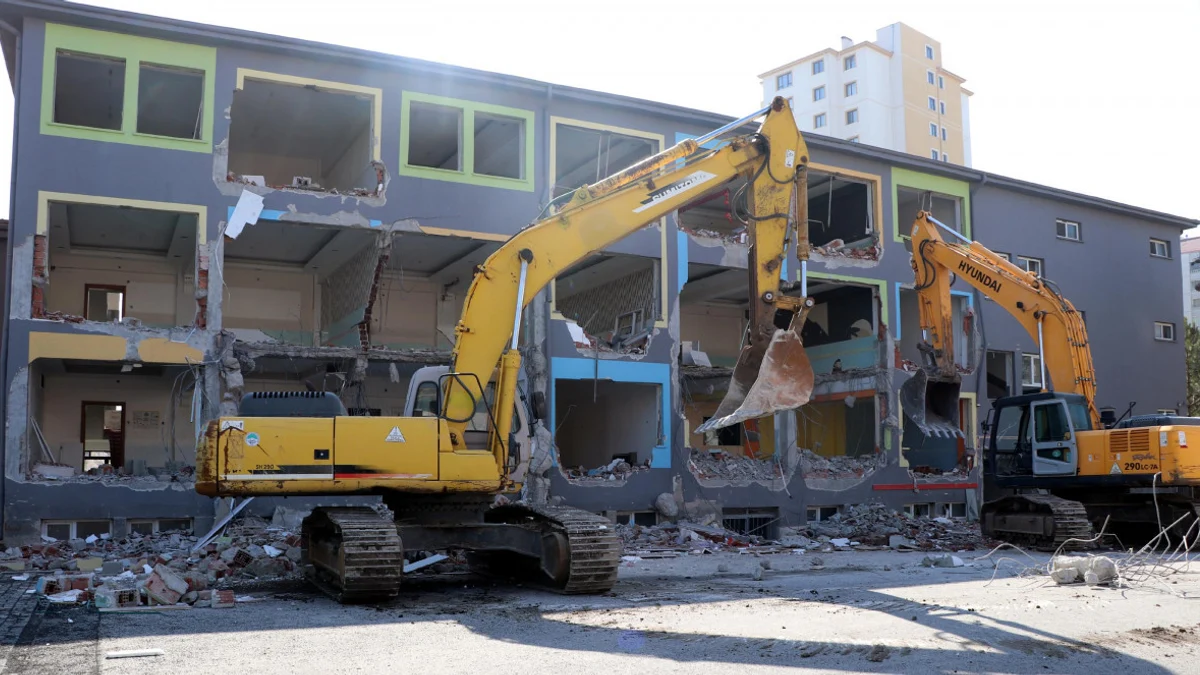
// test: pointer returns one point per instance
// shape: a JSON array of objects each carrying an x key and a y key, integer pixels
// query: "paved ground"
[{"x": 863, "y": 612}]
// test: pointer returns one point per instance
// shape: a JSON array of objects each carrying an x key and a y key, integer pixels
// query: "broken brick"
[{"x": 223, "y": 599}]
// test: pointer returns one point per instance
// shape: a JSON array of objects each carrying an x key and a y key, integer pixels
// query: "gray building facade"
[{"x": 134, "y": 315}]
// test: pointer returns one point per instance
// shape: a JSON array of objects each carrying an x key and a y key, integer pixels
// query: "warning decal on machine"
[
  {"x": 1116, "y": 469},
  {"x": 394, "y": 436}
]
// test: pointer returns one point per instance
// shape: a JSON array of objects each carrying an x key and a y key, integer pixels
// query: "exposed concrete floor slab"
[{"x": 863, "y": 612}]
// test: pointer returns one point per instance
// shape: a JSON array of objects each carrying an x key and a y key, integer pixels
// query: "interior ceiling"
[
  {"x": 710, "y": 283},
  {"x": 276, "y": 242},
  {"x": 427, "y": 254},
  {"x": 287, "y": 120},
  {"x": 115, "y": 227}
]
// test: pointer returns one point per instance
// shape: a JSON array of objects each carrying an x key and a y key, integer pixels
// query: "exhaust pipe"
[{"x": 931, "y": 402}]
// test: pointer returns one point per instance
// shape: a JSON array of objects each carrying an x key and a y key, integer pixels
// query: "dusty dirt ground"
[{"x": 876, "y": 612}]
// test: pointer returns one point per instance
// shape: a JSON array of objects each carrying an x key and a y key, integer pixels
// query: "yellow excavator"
[
  {"x": 465, "y": 437},
  {"x": 1053, "y": 474}
]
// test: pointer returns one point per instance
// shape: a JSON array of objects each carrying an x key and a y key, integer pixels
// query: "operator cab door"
[{"x": 1053, "y": 441}]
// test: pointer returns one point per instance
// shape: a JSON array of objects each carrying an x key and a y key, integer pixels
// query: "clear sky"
[{"x": 1096, "y": 96}]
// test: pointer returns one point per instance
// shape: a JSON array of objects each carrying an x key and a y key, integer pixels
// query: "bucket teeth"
[{"x": 781, "y": 380}]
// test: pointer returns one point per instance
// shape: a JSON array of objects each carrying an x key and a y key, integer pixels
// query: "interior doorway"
[{"x": 102, "y": 433}]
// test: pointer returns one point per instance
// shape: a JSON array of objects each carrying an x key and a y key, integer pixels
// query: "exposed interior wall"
[
  {"x": 598, "y": 420},
  {"x": 275, "y": 304},
  {"x": 406, "y": 313},
  {"x": 282, "y": 131},
  {"x": 595, "y": 300},
  {"x": 715, "y": 330},
  {"x": 151, "y": 287},
  {"x": 354, "y": 166},
  {"x": 842, "y": 428},
  {"x": 712, "y": 216},
  {"x": 147, "y": 437}
]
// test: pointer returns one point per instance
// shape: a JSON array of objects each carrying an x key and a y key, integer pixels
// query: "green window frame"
[
  {"x": 135, "y": 52},
  {"x": 466, "y": 171},
  {"x": 916, "y": 180}
]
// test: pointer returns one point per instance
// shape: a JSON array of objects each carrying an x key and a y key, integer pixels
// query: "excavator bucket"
[
  {"x": 766, "y": 381},
  {"x": 932, "y": 403}
]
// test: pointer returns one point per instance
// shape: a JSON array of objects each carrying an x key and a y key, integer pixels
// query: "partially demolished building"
[{"x": 135, "y": 314}]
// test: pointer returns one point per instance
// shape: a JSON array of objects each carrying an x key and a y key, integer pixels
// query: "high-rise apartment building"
[{"x": 892, "y": 93}]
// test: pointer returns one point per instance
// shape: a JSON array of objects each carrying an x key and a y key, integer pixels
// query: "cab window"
[
  {"x": 1080, "y": 418},
  {"x": 1050, "y": 423},
  {"x": 1011, "y": 427},
  {"x": 427, "y": 404}
]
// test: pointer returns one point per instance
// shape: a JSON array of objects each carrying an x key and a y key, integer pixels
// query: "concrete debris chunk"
[
  {"x": 1092, "y": 570},
  {"x": 945, "y": 560},
  {"x": 666, "y": 505}
]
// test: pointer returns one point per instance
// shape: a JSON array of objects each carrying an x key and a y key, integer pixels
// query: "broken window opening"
[
  {"x": 303, "y": 137},
  {"x": 65, "y": 530},
  {"x": 615, "y": 300},
  {"x": 945, "y": 208},
  {"x": 583, "y": 156},
  {"x": 499, "y": 146},
  {"x": 606, "y": 430},
  {"x": 89, "y": 90},
  {"x": 435, "y": 136},
  {"x": 967, "y": 338},
  {"x": 102, "y": 432},
  {"x": 758, "y": 522},
  {"x": 104, "y": 303},
  {"x": 999, "y": 374},
  {"x": 151, "y": 527},
  {"x": 841, "y": 217},
  {"x": 170, "y": 101},
  {"x": 840, "y": 312}
]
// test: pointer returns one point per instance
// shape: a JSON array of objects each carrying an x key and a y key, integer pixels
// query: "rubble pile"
[
  {"x": 108, "y": 474},
  {"x": 669, "y": 540},
  {"x": 877, "y": 525},
  {"x": 159, "y": 569},
  {"x": 813, "y": 465},
  {"x": 863, "y": 249},
  {"x": 738, "y": 236},
  {"x": 707, "y": 465},
  {"x": 618, "y": 469}
]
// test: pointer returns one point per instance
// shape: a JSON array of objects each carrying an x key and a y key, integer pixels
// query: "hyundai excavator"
[
  {"x": 466, "y": 434},
  {"x": 1053, "y": 475}
]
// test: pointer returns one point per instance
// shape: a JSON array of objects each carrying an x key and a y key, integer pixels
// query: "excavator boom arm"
[
  {"x": 1050, "y": 319},
  {"x": 605, "y": 212}
]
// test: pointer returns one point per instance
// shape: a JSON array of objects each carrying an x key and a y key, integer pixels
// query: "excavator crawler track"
[
  {"x": 1020, "y": 519},
  {"x": 592, "y": 544},
  {"x": 354, "y": 555}
]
